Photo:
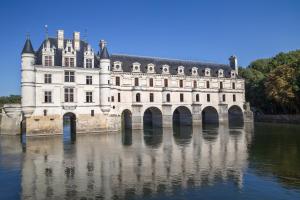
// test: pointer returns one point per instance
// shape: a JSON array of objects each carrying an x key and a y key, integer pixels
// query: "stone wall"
[
  {"x": 11, "y": 119},
  {"x": 44, "y": 125}
]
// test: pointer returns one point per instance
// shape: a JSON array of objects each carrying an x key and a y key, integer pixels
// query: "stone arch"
[
  {"x": 152, "y": 117},
  {"x": 126, "y": 119},
  {"x": 235, "y": 116},
  {"x": 182, "y": 116},
  {"x": 210, "y": 116},
  {"x": 69, "y": 126}
]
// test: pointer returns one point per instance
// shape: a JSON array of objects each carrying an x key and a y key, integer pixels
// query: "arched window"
[
  {"x": 195, "y": 84},
  {"x": 197, "y": 97},
  {"x": 168, "y": 98},
  {"x": 151, "y": 82},
  {"x": 138, "y": 97},
  {"x": 118, "y": 81}
]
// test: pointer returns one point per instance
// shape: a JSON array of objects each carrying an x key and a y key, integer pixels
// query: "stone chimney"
[
  {"x": 76, "y": 40},
  {"x": 60, "y": 39},
  {"x": 233, "y": 63}
]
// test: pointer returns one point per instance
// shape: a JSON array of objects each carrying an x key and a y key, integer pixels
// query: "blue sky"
[{"x": 208, "y": 30}]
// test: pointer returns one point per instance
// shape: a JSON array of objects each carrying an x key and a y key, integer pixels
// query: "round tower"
[
  {"x": 104, "y": 78},
  {"x": 28, "y": 79}
]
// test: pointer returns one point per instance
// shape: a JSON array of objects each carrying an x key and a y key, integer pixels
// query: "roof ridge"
[{"x": 168, "y": 59}]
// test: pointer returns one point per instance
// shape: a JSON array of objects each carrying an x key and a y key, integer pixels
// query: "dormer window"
[
  {"x": 194, "y": 71},
  {"x": 88, "y": 57},
  {"x": 150, "y": 68},
  {"x": 220, "y": 73},
  {"x": 180, "y": 70},
  {"x": 165, "y": 69},
  {"x": 233, "y": 74},
  {"x": 136, "y": 67},
  {"x": 207, "y": 72},
  {"x": 69, "y": 55},
  {"x": 117, "y": 66},
  {"x": 48, "y": 54},
  {"x": 48, "y": 61},
  {"x": 88, "y": 63}
]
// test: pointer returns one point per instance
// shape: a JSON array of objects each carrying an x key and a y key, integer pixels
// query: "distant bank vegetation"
[
  {"x": 9, "y": 99},
  {"x": 273, "y": 84}
]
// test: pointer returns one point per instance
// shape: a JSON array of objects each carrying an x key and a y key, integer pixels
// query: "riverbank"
[{"x": 290, "y": 119}]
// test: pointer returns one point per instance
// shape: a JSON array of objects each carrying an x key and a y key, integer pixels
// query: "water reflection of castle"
[{"x": 125, "y": 165}]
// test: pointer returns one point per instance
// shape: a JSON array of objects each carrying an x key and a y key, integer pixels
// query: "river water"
[{"x": 250, "y": 162}]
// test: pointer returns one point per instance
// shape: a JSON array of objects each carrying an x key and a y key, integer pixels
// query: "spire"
[
  {"x": 28, "y": 46},
  {"x": 104, "y": 53}
]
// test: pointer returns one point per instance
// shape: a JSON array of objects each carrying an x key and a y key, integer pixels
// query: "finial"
[
  {"x": 46, "y": 31},
  {"x": 27, "y": 36}
]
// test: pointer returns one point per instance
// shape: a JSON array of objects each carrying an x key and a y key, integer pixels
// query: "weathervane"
[{"x": 46, "y": 31}]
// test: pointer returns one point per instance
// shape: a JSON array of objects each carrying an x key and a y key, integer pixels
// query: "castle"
[{"x": 102, "y": 92}]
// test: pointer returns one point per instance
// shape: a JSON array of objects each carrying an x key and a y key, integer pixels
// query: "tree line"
[
  {"x": 9, "y": 99},
  {"x": 273, "y": 84}
]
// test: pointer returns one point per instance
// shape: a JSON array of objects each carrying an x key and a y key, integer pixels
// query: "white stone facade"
[{"x": 67, "y": 76}]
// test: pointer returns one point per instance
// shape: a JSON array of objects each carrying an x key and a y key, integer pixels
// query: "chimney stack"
[
  {"x": 233, "y": 63},
  {"x": 60, "y": 39},
  {"x": 76, "y": 40}
]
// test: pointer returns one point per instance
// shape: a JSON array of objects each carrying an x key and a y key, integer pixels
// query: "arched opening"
[
  {"x": 126, "y": 137},
  {"x": 235, "y": 116},
  {"x": 182, "y": 116},
  {"x": 152, "y": 118},
  {"x": 153, "y": 137},
  {"x": 182, "y": 135},
  {"x": 210, "y": 116},
  {"x": 126, "y": 119},
  {"x": 69, "y": 124}
]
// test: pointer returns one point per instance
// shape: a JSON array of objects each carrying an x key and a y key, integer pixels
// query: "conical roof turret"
[{"x": 28, "y": 47}]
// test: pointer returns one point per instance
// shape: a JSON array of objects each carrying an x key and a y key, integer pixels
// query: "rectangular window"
[
  {"x": 89, "y": 80},
  {"x": 88, "y": 63},
  {"x": 233, "y": 85},
  {"x": 151, "y": 82},
  {"x": 45, "y": 112},
  {"x": 195, "y": 84},
  {"x": 181, "y": 97},
  {"x": 136, "y": 81},
  {"x": 69, "y": 94},
  {"x": 69, "y": 76},
  {"x": 181, "y": 83},
  {"x": 92, "y": 113},
  {"x": 221, "y": 85},
  {"x": 72, "y": 62},
  {"x": 233, "y": 98},
  {"x": 48, "y": 78},
  {"x": 67, "y": 60},
  {"x": 48, "y": 60},
  {"x": 151, "y": 97},
  {"x": 88, "y": 97},
  {"x": 168, "y": 98},
  {"x": 117, "y": 81},
  {"x": 207, "y": 84},
  {"x": 208, "y": 97},
  {"x": 119, "y": 97},
  {"x": 166, "y": 83},
  {"x": 223, "y": 97},
  {"x": 112, "y": 99},
  {"x": 48, "y": 97}
]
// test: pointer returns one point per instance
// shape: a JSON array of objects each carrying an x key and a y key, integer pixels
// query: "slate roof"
[
  {"x": 28, "y": 47},
  {"x": 58, "y": 53},
  {"x": 128, "y": 60}
]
